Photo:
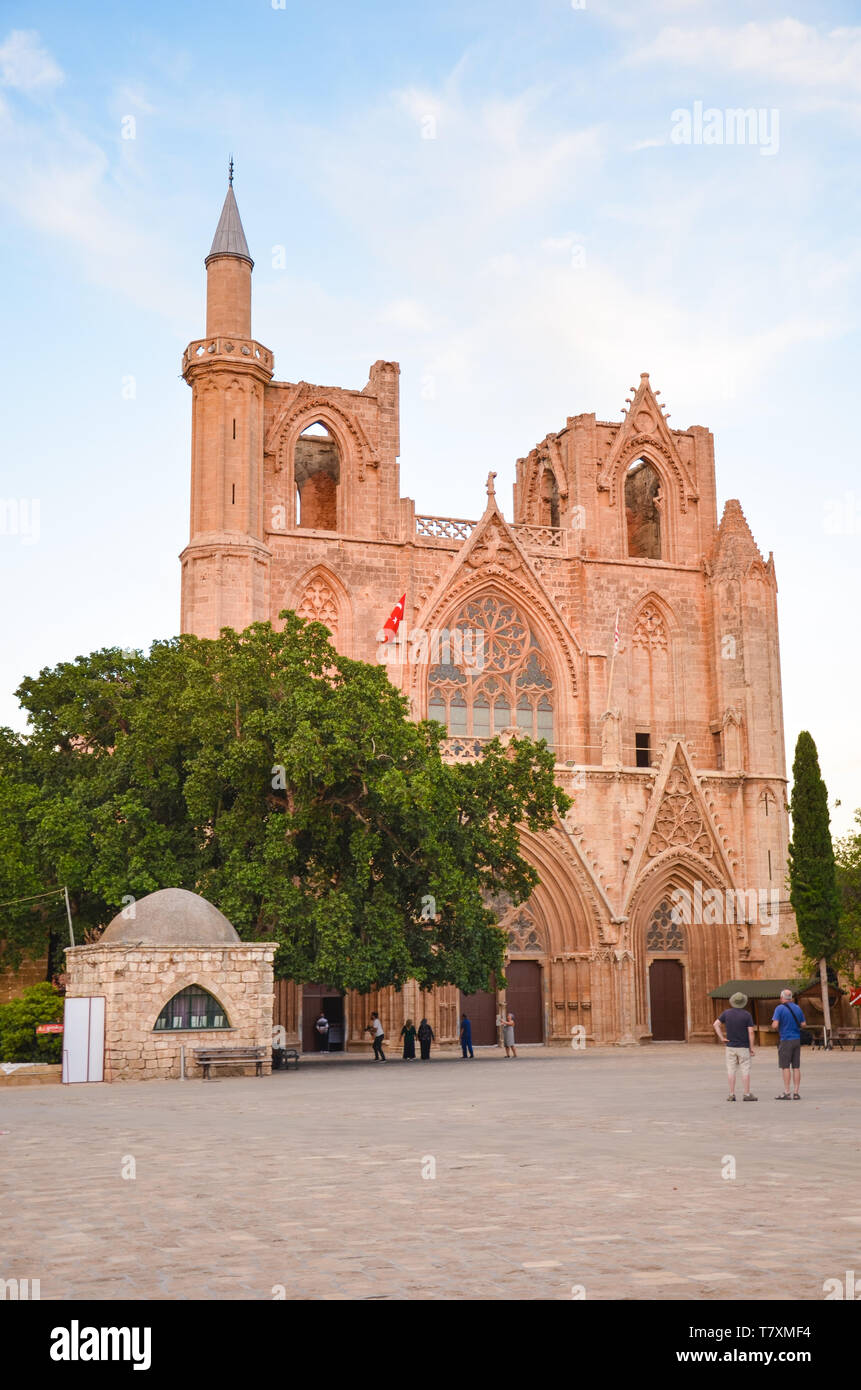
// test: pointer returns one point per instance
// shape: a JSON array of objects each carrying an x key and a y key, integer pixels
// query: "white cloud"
[
  {"x": 783, "y": 49},
  {"x": 25, "y": 64},
  {"x": 654, "y": 143},
  {"x": 62, "y": 185},
  {"x": 407, "y": 314}
]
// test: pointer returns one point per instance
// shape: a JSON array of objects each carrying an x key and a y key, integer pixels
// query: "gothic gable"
[
  {"x": 645, "y": 432},
  {"x": 493, "y": 553},
  {"x": 677, "y": 823}
]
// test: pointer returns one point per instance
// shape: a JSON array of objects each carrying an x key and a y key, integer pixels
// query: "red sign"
[
  {"x": 49, "y": 1028},
  {"x": 855, "y": 998}
]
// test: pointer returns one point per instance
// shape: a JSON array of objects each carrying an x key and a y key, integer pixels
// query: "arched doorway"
[
  {"x": 666, "y": 950},
  {"x": 667, "y": 1000}
]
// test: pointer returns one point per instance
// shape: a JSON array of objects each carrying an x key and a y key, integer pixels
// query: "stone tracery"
[
  {"x": 492, "y": 674},
  {"x": 679, "y": 822},
  {"x": 319, "y": 604}
]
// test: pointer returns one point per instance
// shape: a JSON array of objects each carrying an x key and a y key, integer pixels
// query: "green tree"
[
  {"x": 19, "y": 1041},
  {"x": 812, "y": 877},
  {"x": 288, "y": 785},
  {"x": 847, "y": 858}
]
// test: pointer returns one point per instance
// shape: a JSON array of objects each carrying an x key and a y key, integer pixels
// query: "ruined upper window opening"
[
  {"x": 642, "y": 514},
  {"x": 317, "y": 474},
  {"x": 549, "y": 515}
]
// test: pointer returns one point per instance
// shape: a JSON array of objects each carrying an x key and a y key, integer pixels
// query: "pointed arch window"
[
  {"x": 318, "y": 603},
  {"x": 664, "y": 932},
  {"x": 642, "y": 510},
  {"x": 317, "y": 474},
  {"x": 192, "y": 1008},
  {"x": 549, "y": 499},
  {"x": 493, "y": 674}
]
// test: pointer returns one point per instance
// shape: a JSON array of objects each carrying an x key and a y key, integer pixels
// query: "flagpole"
[{"x": 613, "y": 659}]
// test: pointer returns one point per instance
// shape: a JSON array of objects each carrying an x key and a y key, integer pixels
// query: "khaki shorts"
[{"x": 738, "y": 1058}]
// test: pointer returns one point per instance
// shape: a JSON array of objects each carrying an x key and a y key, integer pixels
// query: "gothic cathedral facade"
[{"x": 616, "y": 616}]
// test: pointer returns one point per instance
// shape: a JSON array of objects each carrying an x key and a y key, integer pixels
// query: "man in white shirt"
[
  {"x": 322, "y": 1026},
  {"x": 375, "y": 1028}
]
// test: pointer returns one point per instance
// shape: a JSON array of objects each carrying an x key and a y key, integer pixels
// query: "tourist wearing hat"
[{"x": 735, "y": 1028}]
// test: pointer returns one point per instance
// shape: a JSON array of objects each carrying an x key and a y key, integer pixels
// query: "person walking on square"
[
  {"x": 789, "y": 1018},
  {"x": 426, "y": 1036},
  {"x": 508, "y": 1035},
  {"x": 375, "y": 1028},
  {"x": 408, "y": 1033},
  {"x": 736, "y": 1030},
  {"x": 466, "y": 1037},
  {"x": 322, "y": 1027}
]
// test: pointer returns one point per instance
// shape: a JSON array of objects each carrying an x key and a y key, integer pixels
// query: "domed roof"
[{"x": 170, "y": 917}]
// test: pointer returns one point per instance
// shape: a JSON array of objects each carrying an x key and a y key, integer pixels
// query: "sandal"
[
  {"x": 785, "y": 1096},
  {"x": 730, "y": 1097},
  {"x": 796, "y": 1096},
  {"x": 750, "y": 1097}
]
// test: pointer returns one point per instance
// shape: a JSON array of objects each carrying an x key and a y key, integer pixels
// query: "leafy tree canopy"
[{"x": 286, "y": 784}]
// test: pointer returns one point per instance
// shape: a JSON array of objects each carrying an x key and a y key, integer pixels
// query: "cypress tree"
[{"x": 812, "y": 877}]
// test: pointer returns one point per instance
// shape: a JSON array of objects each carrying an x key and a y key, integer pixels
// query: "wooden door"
[
  {"x": 482, "y": 1010},
  {"x": 524, "y": 999},
  {"x": 667, "y": 1000}
]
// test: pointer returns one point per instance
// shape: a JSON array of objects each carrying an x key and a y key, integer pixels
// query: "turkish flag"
[{"x": 391, "y": 625}]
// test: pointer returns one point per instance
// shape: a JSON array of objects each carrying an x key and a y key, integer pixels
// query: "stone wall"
[
  {"x": 14, "y": 982},
  {"x": 138, "y": 981}
]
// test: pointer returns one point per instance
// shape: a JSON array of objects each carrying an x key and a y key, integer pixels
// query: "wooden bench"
[
  {"x": 208, "y": 1057},
  {"x": 290, "y": 1056},
  {"x": 842, "y": 1036}
]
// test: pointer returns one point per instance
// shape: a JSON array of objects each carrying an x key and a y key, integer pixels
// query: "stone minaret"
[{"x": 225, "y": 566}]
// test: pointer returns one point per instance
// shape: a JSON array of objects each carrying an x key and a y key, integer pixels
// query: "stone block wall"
[
  {"x": 137, "y": 982},
  {"x": 14, "y": 982}
]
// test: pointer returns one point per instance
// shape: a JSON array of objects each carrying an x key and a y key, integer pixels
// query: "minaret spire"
[{"x": 229, "y": 239}]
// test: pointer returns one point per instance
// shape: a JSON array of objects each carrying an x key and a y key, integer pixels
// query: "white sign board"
[{"x": 84, "y": 1040}]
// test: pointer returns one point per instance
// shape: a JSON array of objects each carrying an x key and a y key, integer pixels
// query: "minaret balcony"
[{"x": 247, "y": 352}]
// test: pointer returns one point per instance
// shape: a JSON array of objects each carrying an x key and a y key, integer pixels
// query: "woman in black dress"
[
  {"x": 408, "y": 1033},
  {"x": 425, "y": 1038}
]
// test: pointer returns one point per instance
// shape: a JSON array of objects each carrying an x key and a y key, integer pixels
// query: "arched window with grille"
[
  {"x": 490, "y": 673},
  {"x": 665, "y": 932},
  {"x": 194, "y": 1008}
]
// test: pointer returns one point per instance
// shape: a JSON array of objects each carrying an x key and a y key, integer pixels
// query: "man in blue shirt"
[
  {"x": 789, "y": 1019},
  {"x": 466, "y": 1037}
]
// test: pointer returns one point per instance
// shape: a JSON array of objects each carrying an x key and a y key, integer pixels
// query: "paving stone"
[{"x": 536, "y": 1189}]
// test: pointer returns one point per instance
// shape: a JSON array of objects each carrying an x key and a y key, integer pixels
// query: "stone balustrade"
[{"x": 203, "y": 349}]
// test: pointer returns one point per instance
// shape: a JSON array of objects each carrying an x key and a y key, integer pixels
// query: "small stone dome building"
[{"x": 175, "y": 976}]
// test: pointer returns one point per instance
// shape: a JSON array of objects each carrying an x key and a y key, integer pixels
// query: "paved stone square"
[{"x": 600, "y": 1169}]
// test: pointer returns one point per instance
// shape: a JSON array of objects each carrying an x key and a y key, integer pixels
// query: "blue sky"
[{"x": 490, "y": 194}]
